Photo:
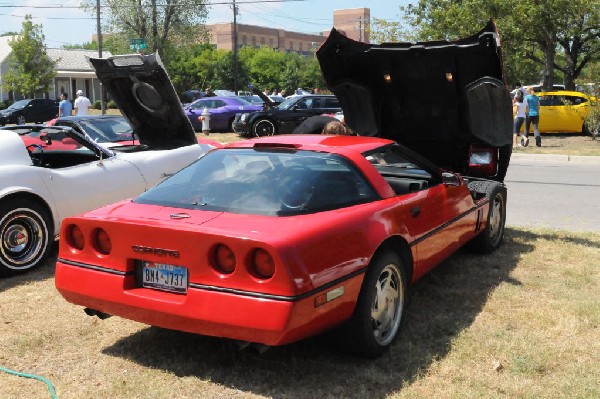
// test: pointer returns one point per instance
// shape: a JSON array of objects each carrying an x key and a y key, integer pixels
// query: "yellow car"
[{"x": 563, "y": 112}]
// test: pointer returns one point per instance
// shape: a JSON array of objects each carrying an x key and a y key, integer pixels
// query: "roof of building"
[
  {"x": 5, "y": 48},
  {"x": 73, "y": 59},
  {"x": 67, "y": 59}
]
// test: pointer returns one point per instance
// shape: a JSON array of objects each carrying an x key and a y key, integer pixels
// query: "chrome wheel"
[
  {"x": 388, "y": 302},
  {"x": 496, "y": 220},
  {"x": 264, "y": 127},
  {"x": 20, "y": 120},
  {"x": 24, "y": 237}
]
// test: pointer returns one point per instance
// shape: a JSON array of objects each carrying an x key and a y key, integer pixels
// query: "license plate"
[{"x": 165, "y": 277}]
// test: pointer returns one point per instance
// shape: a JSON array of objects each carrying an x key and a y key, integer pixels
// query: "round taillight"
[
  {"x": 102, "y": 242},
  {"x": 224, "y": 259},
  {"x": 262, "y": 265},
  {"x": 75, "y": 237}
]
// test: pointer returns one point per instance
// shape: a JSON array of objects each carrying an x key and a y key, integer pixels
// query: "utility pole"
[
  {"x": 99, "y": 35},
  {"x": 235, "y": 50}
]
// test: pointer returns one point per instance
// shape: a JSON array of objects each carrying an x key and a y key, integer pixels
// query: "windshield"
[
  {"x": 108, "y": 130},
  {"x": 274, "y": 182},
  {"x": 19, "y": 104}
]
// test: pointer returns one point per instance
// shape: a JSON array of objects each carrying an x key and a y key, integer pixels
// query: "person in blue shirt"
[
  {"x": 532, "y": 115},
  {"x": 64, "y": 107}
]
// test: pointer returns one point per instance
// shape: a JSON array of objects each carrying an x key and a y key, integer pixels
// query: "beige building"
[{"x": 354, "y": 22}]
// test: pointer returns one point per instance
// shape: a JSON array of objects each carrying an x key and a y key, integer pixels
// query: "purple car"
[{"x": 222, "y": 111}]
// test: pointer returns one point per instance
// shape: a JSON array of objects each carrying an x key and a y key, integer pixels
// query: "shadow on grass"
[
  {"x": 443, "y": 303},
  {"x": 41, "y": 273}
]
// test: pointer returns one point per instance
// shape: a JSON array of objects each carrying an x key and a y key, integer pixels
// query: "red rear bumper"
[{"x": 206, "y": 311}]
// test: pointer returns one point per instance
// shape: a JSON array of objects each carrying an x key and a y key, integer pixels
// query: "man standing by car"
[
  {"x": 533, "y": 115},
  {"x": 64, "y": 107},
  {"x": 82, "y": 104}
]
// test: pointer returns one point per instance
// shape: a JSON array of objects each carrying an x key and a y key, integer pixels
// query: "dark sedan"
[
  {"x": 36, "y": 110},
  {"x": 284, "y": 118},
  {"x": 222, "y": 110}
]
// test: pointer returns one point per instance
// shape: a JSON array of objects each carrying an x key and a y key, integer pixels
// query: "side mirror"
[
  {"x": 45, "y": 138},
  {"x": 451, "y": 179}
]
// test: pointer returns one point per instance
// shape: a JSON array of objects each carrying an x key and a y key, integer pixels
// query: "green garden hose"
[{"x": 35, "y": 377}]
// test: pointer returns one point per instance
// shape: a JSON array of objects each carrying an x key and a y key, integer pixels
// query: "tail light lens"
[
  {"x": 75, "y": 237},
  {"x": 262, "y": 265},
  {"x": 483, "y": 162},
  {"x": 224, "y": 259},
  {"x": 102, "y": 242}
]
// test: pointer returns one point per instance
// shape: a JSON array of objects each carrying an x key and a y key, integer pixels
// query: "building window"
[
  {"x": 291, "y": 45},
  {"x": 271, "y": 41},
  {"x": 300, "y": 46},
  {"x": 254, "y": 40},
  {"x": 243, "y": 39},
  {"x": 262, "y": 40}
]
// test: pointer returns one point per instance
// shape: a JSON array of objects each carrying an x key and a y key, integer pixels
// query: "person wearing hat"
[{"x": 82, "y": 104}]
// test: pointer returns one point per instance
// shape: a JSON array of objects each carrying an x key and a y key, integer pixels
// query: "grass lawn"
[{"x": 521, "y": 323}]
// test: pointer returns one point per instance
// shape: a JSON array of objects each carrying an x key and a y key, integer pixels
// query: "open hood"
[
  {"x": 145, "y": 95},
  {"x": 438, "y": 98}
]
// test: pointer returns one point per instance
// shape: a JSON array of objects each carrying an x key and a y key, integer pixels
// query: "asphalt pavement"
[{"x": 554, "y": 191}]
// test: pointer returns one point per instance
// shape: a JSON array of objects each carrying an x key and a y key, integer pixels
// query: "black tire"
[
  {"x": 21, "y": 120},
  {"x": 263, "y": 127},
  {"x": 379, "y": 310},
  {"x": 492, "y": 236},
  {"x": 25, "y": 235}
]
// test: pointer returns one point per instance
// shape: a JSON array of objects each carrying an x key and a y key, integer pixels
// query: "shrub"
[
  {"x": 97, "y": 104},
  {"x": 592, "y": 121},
  {"x": 111, "y": 104}
]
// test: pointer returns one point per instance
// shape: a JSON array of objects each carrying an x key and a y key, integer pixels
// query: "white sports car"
[{"x": 40, "y": 186}]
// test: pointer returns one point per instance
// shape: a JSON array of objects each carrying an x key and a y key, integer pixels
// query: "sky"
[{"x": 64, "y": 23}]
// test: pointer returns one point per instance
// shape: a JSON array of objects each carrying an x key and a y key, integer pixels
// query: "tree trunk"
[{"x": 549, "y": 53}]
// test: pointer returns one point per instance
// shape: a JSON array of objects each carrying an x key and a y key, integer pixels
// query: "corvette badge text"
[{"x": 156, "y": 251}]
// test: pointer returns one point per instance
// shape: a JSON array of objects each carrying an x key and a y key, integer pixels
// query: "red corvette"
[
  {"x": 280, "y": 238},
  {"x": 277, "y": 239}
]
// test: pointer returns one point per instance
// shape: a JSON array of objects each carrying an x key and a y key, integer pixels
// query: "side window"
[
  {"x": 546, "y": 101},
  {"x": 218, "y": 104},
  {"x": 202, "y": 104},
  {"x": 316, "y": 103},
  {"x": 574, "y": 100},
  {"x": 331, "y": 103},
  {"x": 303, "y": 103}
]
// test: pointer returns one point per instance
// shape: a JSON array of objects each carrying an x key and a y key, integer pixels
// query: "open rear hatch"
[{"x": 441, "y": 99}]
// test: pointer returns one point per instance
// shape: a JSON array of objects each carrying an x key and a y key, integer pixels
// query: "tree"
[
  {"x": 530, "y": 30},
  {"x": 31, "y": 70},
  {"x": 161, "y": 23}
]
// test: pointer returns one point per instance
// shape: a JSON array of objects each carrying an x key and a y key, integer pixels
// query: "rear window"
[{"x": 263, "y": 182}]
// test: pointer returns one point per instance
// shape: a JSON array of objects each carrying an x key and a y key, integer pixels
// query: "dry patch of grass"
[
  {"x": 524, "y": 322},
  {"x": 562, "y": 144}
]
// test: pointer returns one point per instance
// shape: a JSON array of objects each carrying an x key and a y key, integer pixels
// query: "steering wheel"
[
  {"x": 36, "y": 157},
  {"x": 295, "y": 186}
]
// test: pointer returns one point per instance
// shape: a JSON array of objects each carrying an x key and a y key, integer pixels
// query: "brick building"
[{"x": 354, "y": 22}]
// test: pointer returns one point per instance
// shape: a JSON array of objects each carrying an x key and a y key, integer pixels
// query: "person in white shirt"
[{"x": 82, "y": 104}]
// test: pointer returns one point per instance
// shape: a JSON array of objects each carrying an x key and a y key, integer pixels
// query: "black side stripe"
[
  {"x": 234, "y": 291},
  {"x": 93, "y": 267},
  {"x": 448, "y": 223}
]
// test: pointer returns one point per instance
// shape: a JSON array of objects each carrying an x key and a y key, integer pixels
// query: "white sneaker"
[{"x": 524, "y": 141}]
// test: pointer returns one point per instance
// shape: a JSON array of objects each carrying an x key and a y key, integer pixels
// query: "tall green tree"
[
  {"x": 162, "y": 23},
  {"x": 31, "y": 71}
]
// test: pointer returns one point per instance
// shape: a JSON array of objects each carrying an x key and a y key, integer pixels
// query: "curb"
[{"x": 556, "y": 158}]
